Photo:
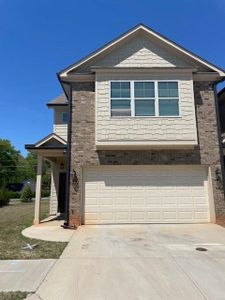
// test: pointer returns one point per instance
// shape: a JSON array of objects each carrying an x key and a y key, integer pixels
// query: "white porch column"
[{"x": 38, "y": 191}]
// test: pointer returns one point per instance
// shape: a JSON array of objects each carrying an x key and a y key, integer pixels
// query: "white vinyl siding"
[
  {"x": 53, "y": 203},
  {"x": 146, "y": 194},
  {"x": 165, "y": 129},
  {"x": 60, "y": 126},
  {"x": 61, "y": 130},
  {"x": 140, "y": 52}
]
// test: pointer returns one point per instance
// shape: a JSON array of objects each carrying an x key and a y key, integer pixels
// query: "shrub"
[
  {"x": 45, "y": 193},
  {"x": 4, "y": 197},
  {"x": 14, "y": 195},
  {"x": 26, "y": 194}
]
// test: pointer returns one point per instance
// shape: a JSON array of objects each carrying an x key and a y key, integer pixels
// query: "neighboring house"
[
  {"x": 17, "y": 187},
  {"x": 143, "y": 141}
]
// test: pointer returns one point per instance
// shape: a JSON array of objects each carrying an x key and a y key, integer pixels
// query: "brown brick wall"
[{"x": 84, "y": 153}]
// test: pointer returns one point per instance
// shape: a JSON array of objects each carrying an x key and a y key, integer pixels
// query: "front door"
[{"x": 62, "y": 192}]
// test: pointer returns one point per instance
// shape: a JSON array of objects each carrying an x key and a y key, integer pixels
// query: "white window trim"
[
  {"x": 132, "y": 103},
  {"x": 111, "y": 98}
]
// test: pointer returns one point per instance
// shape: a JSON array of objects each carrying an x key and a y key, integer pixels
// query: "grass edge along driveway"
[{"x": 13, "y": 219}]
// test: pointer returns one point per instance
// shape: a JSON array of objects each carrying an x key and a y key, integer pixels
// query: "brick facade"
[{"x": 83, "y": 152}]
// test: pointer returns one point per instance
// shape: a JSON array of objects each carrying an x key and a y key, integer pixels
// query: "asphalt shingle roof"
[{"x": 60, "y": 100}]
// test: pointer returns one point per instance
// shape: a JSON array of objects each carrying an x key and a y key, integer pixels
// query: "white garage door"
[{"x": 145, "y": 194}]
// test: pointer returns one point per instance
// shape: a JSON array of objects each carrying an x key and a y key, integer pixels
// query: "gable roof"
[
  {"x": 151, "y": 33},
  {"x": 58, "y": 142},
  {"x": 61, "y": 100}
]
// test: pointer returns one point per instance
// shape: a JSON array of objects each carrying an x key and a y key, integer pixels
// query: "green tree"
[
  {"x": 21, "y": 170},
  {"x": 9, "y": 158},
  {"x": 14, "y": 168},
  {"x": 31, "y": 166}
]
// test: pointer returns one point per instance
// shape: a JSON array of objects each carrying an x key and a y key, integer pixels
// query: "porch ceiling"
[{"x": 47, "y": 152}]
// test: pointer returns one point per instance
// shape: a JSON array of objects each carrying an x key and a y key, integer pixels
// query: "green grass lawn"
[
  {"x": 13, "y": 219},
  {"x": 13, "y": 295}
]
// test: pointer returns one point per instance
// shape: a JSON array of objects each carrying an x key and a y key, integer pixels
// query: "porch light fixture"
[{"x": 62, "y": 165}]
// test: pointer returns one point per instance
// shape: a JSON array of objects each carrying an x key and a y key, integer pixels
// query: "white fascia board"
[
  {"x": 156, "y": 35},
  {"x": 48, "y": 138}
]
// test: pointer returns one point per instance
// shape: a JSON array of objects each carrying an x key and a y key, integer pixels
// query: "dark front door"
[{"x": 62, "y": 192}]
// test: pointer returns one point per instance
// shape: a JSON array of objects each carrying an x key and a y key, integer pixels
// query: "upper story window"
[
  {"x": 168, "y": 98},
  {"x": 65, "y": 117},
  {"x": 120, "y": 99},
  {"x": 144, "y": 98}
]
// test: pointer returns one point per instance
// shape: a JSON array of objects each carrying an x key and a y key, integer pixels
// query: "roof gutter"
[
  {"x": 67, "y": 88},
  {"x": 219, "y": 138}
]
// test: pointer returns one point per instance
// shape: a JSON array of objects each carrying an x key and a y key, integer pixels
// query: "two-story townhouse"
[{"x": 143, "y": 140}]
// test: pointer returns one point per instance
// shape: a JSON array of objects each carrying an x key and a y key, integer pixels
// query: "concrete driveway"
[{"x": 119, "y": 262}]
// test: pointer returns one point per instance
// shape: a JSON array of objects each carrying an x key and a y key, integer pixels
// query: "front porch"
[
  {"x": 49, "y": 229},
  {"x": 52, "y": 149}
]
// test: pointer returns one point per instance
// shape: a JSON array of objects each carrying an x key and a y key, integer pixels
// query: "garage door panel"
[
  {"x": 141, "y": 194},
  {"x": 153, "y": 216},
  {"x": 105, "y": 201},
  {"x": 169, "y": 201},
  {"x": 186, "y": 215},
  {"x": 122, "y": 201}
]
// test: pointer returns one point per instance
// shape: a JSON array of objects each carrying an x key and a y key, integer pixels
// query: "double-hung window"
[
  {"x": 144, "y": 99},
  {"x": 120, "y": 99},
  {"x": 168, "y": 98}
]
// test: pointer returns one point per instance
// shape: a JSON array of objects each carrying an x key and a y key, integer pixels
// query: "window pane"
[
  {"x": 120, "y": 107},
  {"x": 115, "y": 93},
  {"x": 144, "y": 107},
  {"x": 65, "y": 117},
  {"x": 120, "y": 113},
  {"x": 168, "y": 89},
  {"x": 144, "y": 89},
  {"x": 120, "y": 104},
  {"x": 115, "y": 85},
  {"x": 168, "y": 107},
  {"x": 120, "y": 89},
  {"x": 125, "y": 93},
  {"x": 125, "y": 85}
]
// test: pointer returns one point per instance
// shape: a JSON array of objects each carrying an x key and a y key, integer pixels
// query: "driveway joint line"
[
  {"x": 191, "y": 279},
  {"x": 45, "y": 276}
]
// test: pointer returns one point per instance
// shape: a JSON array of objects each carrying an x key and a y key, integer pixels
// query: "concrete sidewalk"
[
  {"x": 139, "y": 262},
  {"x": 49, "y": 231},
  {"x": 23, "y": 275}
]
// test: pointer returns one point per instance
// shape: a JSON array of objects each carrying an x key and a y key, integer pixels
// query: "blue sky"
[{"x": 39, "y": 38}]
